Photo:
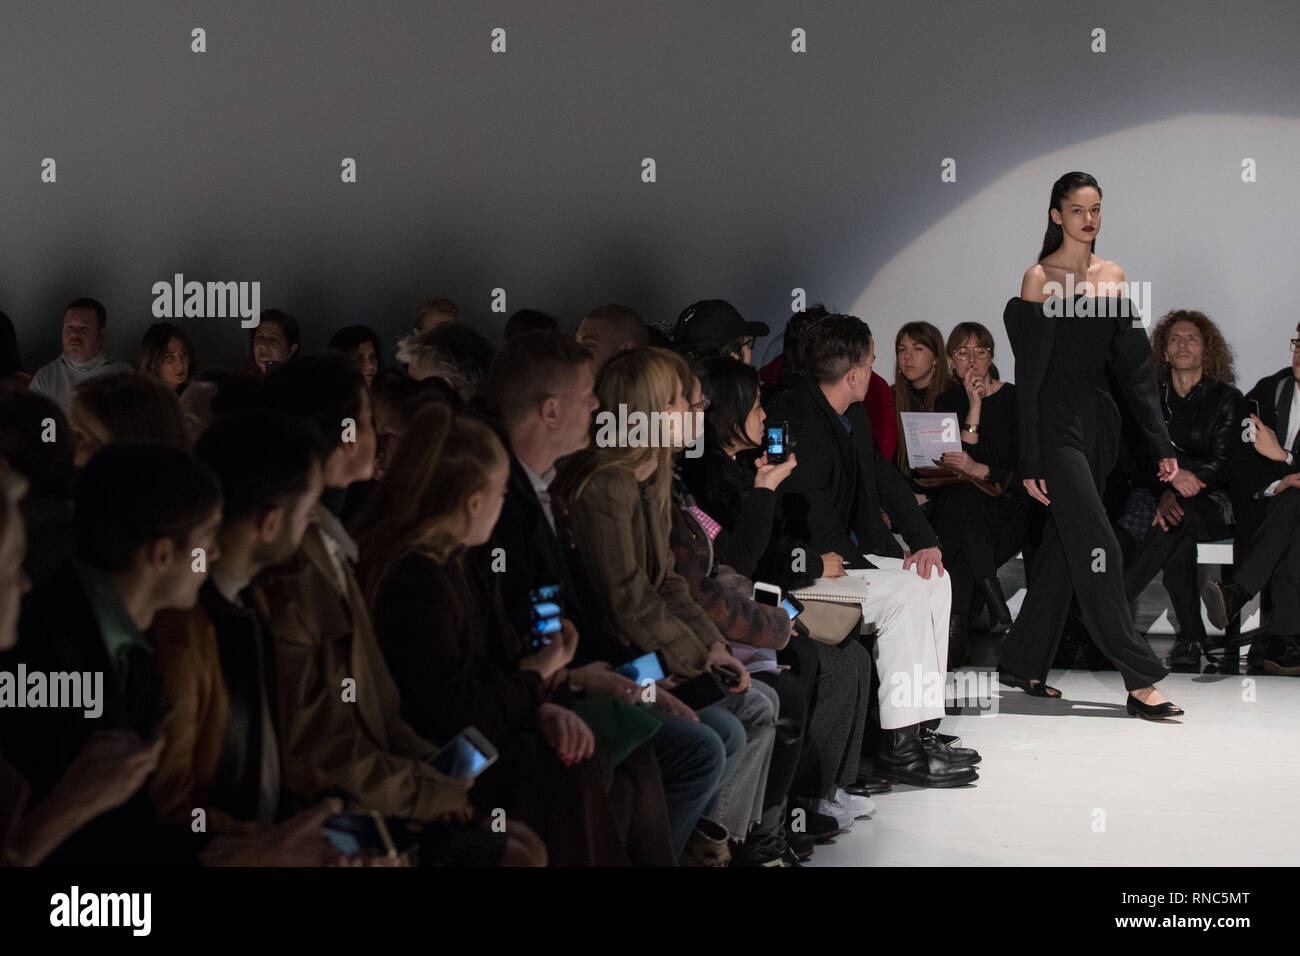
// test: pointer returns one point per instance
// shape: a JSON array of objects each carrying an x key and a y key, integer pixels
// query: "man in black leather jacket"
[
  {"x": 1200, "y": 410},
  {"x": 1266, "y": 498}
]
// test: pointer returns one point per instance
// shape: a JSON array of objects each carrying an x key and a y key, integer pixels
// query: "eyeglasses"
[
  {"x": 1295, "y": 344},
  {"x": 748, "y": 342},
  {"x": 979, "y": 352}
]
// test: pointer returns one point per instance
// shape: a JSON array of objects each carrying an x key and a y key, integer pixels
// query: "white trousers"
[{"x": 911, "y": 617}]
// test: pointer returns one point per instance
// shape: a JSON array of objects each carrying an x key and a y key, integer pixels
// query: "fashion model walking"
[{"x": 1069, "y": 437}]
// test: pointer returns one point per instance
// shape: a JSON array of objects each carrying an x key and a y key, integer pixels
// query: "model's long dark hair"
[{"x": 1062, "y": 188}]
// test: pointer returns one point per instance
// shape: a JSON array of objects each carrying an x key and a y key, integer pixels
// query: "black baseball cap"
[{"x": 710, "y": 325}]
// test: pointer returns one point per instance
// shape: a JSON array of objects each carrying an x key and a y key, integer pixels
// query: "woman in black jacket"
[
  {"x": 979, "y": 531},
  {"x": 738, "y": 492}
]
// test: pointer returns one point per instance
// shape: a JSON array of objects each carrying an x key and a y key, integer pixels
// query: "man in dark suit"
[
  {"x": 1266, "y": 500},
  {"x": 144, "y": 515},
  {"x": 835, "y": 500},
  {"x": 540, "y": 389}
]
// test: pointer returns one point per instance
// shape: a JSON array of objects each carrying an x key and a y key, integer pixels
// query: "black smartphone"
[
  {"x": 726, "y": 676},
  {"x": 545, "y": 617},
  {"x": 793, "y": 606},
  {"x": 776, "y": 443},
  {"x": 361, "y": 833}
]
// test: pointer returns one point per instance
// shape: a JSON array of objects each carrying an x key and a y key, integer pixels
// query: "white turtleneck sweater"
[{"x": 57, "y": 379}]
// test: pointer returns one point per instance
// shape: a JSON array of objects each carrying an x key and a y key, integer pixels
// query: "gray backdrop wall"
[{"x": 522, "y": 170}]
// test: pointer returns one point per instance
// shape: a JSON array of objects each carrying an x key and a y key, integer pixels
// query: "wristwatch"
[{"x": 973, "y": 429}]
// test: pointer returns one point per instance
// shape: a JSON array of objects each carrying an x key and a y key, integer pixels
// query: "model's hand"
[
  {"x": 1037, "y": 488},
  {"x": 925, "y": 560},
  {"x": 1187, "y": 484},
  {"x": 1167, "y": 469}
]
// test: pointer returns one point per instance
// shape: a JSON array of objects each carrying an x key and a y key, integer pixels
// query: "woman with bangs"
[{"x": 979, "y": 531}]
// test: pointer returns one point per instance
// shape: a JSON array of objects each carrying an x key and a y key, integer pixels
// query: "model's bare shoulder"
[
  {"x": 1108, "y": 271},
  {"x": 1031, "y": 285}
]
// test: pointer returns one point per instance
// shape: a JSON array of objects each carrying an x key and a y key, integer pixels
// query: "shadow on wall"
[{"x": 1172, "y": 191}]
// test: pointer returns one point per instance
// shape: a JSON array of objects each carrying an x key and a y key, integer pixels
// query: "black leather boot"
[
  {"x": 999, "y": 614},
  {"x": 935, "y": 742},
  {"x": 958, "y": 643},
  {"x": 905, "y": 759}
]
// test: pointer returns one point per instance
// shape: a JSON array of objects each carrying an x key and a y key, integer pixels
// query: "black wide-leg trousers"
[{"x": 1079, "y": 555}]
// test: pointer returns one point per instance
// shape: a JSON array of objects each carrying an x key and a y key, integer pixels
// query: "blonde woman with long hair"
[{"x": 617, "y": 496}]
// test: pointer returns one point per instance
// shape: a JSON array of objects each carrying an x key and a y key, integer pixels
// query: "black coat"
[
  {"x": 751, "y": 538},
  {"x": 537, "y": 556},
  {"x": 1251, "y": 471},
  {"x": 843, "y": 483}
]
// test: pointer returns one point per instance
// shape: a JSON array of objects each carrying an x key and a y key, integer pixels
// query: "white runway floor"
[{"x": 1079, "y": 782}]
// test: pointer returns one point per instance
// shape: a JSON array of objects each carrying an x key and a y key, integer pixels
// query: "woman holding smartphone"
[
  {"x": 618, "y": 499},
  {"x": 458, "y": 660},
  {"x": 1069, "y": 436}
]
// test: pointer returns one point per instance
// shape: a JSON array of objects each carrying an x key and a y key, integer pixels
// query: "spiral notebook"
[{"x": 846, "y": 590}]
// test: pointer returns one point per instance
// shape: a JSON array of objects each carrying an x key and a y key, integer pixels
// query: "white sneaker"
[
  {"x": 854, "y": 804},
  {"x": 842, "y": 815}
]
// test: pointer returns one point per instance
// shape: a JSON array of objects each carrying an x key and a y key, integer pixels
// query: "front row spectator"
[
  {"x": 142, "y": 511},
  {"x": 167, "y": 354},
  {"x": 339, "y": 709},
  {"x": 361, "y": 344},
  {"x": 714, "y": 327},
  {"x": 453, "y": 352},
  {"x": 541, "y": 390},
  {"x": 272, "y": 342},
  {"x": 1199, "y": 404},
  {"x": 609, "y": 329},
  {"x": 442, "y": 497},
  {"x": 131, "y": 407},
  {"x": 835, "y": 499},
  {"x": 1266, "y": 501},
  {"x": 84, "y": 354},
  {"x": 618, "y": 498}
]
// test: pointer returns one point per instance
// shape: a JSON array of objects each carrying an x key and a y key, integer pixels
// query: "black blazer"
[
  {"x": 843, "y": 483},
  {"x": 1033, "y": 335},
  {"x": 1251, "y": 471},
  {"x": 536, "y": 556}
]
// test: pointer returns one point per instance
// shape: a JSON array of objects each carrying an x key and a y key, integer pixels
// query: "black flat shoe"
[
  {"x": 1032, "y": 688},
  {"x": 1159, "y": 712}
]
